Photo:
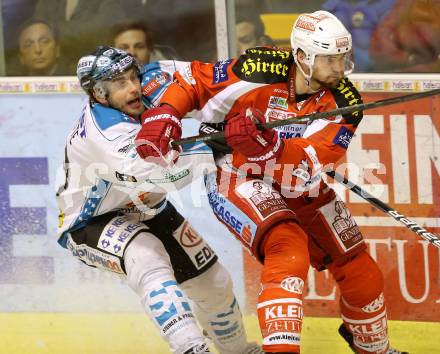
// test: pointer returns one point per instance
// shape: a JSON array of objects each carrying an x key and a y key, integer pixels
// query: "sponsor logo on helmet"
[
  {"x": 304, "y": 24},
  {"x": 84, "y": 66},
  {"x": 342, "y": 42},
  {"x": 122, "y": 64},
  {"x": 85, "y": 63},
  {"x": 109, "y": 52},
  {"x": 103, "y": 61},
  {"x": 308, "y": 22}
]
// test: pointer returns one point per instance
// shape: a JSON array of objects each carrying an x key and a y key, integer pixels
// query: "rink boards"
[{"x": 51, "y": 301}]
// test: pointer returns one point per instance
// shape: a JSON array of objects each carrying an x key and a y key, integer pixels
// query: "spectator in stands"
[
  {"x": 187, "y": 26},
  {"x": 82, "y": 24},
  {"x": 249, "y": 31},
  {"x": 135, "y": 38},
  {"x": 408, "y": 39},
  {"x": 38, "y": 50},
  {"x": 361, "y": 19},
  {"x": 14, "y": 14}
]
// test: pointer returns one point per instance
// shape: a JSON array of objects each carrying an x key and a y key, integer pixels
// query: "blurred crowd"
[{"x": 47, "y": 37}]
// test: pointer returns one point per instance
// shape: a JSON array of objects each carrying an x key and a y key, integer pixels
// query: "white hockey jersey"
[{"x": 103, "y": 172}]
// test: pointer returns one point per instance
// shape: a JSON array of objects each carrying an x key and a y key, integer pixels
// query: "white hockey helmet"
[{"x": 321, "y": 33}]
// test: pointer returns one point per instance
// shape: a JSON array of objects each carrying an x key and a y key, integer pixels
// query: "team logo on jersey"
[
  {"x": 278, "y": 102},
  {"x": 220, "y": 71},
  {"x": 160, "y": 79},
  {"x": 343, "y": 137}
]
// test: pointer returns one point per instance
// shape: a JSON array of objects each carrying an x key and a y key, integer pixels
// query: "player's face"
[
  {"x": 125, "y": 93},
  {"x": 134, "y": 42},
  {"x": 328, "y": 70}
]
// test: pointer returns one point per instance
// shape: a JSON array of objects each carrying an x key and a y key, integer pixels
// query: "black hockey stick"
[
  {"x": 318, "y": 115},
  {"x": 433, "y": 239}
]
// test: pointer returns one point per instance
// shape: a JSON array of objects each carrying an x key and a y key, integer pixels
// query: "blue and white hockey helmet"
[{"x": 106, "y": 63}]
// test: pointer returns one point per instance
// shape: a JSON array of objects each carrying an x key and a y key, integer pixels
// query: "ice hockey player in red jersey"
[{"x": 269, "y": 191}]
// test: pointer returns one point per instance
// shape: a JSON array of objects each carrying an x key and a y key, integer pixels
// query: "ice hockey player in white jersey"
[{"x": 114, "y": 214}]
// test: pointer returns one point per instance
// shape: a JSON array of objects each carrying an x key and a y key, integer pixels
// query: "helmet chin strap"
[{"x": 309, "y": 62}]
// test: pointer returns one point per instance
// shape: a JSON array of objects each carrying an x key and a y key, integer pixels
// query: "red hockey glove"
[
  {"x": 160, "y": 126},
  {"x": 243, "y": 136}
]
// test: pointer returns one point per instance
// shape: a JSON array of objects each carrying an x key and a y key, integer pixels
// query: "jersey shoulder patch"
[
  {"x": 155, "y": 79},
  {"x": 264, "y": 65},
  {"x": 345, "y": 94}
]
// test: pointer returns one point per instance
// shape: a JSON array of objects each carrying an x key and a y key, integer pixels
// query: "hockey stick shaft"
[
  {"x": 318, "y": 115},
  {"x": 413, "y": 226}
]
